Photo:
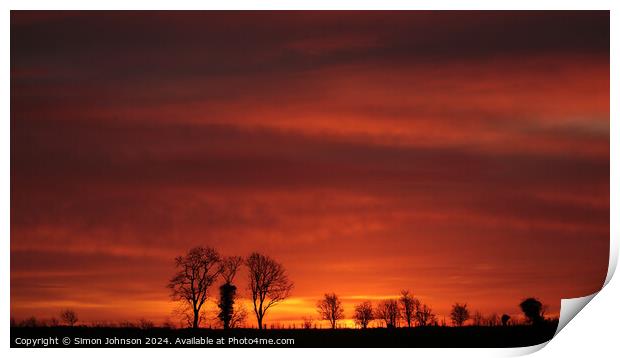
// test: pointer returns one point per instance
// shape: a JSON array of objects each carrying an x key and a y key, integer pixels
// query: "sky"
[{"x": 461, "y": 155}]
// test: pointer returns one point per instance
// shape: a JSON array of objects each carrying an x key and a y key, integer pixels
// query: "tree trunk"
[
  {"x": 196, "y": 315},
  {"x": 260, "y": 322}
]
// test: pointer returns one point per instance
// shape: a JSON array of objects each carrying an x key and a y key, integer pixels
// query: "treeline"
[
  {"x": 408, "y": 311},
  {"x": 67, "y": 317},
  {"x": 268, "y": 285},
  {"x": 141, "y": 323}
]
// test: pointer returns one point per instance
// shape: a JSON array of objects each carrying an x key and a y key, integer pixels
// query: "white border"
[{"x": 590, "y": 334}]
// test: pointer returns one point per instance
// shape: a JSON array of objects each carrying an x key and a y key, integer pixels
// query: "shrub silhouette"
[
  {"x": 239, "y": 316},
  {"x": 493, "y": 320},
  {"x": 505, "y": 319},
  {"x": 30, "y": 322},
  {"x": 533, "y": 310},
  {"x": 69, "y": 317},
  {"x": 145, "y": 324},
  {"x": 307, "y": 322}
]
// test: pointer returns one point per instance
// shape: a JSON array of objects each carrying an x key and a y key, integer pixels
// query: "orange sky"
[{"x": 463, "y": 156}]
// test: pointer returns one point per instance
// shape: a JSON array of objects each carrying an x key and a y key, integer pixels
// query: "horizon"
[{"x": 516, "y": 317}]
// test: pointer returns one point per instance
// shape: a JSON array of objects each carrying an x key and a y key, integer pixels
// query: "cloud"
[{"x": 368, "y": 152}]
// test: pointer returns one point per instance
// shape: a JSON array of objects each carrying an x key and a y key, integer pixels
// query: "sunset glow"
[{"x": 461, "y": 155}]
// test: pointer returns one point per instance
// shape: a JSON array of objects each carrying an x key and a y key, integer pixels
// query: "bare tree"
[
  {"x": 389, "y": 312},
  {"x": 424, "y": 316},
  {"x": 228, "y": 291},
  {"x": 229, "y": 267},
  {"x": 196, "y": 273},
  {"x": 268, "y": 283},
  {"x": 330, "y": 309},
  {"x": 364, "y": 314},
  {"x": 69, "y": 317},
  {"x": 459, "y": 314},
  {"x": 409, "y": 305}
]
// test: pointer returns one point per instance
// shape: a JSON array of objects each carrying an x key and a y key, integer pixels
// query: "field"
[{"x": 469, "y": 336}]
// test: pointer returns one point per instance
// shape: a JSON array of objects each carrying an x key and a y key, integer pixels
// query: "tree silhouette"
[
  {"x": 267, "y": 282},
  {"x": 533, "y": 310},
  {"x": 197, "y": 271},
  {"x": 330, "y": 309},
  {"x": 389, "y": 312},
  {"x": 363, "y": 314},
  {"x": 307, "y": 322},
  {"x": 459, "y": 314},
  {"x": 228, "y": 291},
  {"x": 69, "y": 317},
  {"x": 424, "y": 315},
  {"x": 505, "y": 319},
  {"x": 145, "y": 324},
  {"x": 409, "y": 305}
]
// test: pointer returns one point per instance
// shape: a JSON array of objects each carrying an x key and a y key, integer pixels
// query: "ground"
[{"x": 469, "y": 336}]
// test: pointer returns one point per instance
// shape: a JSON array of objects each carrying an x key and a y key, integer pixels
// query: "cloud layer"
[{"x": 464, "y": 155}]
